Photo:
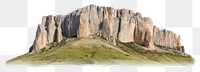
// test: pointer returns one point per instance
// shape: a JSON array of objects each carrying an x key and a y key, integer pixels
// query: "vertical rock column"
[
  {"x": 140, "y": 29},
  {"x": 143, "y": 31},
  {"x": 50, "y": 27},
  {"x": 149, "y": 33},
  {"x": 41, "y": 37},
  {"x": 127, "y": 25},
  {"x": 58, "y": 33},
  {"x": 83, "y": 28}
]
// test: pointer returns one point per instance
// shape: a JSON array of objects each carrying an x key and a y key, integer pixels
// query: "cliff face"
[{"x": 112, "y": 24}]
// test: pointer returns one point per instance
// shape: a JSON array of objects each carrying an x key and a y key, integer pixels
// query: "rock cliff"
[{"x": 112, "y": 24}]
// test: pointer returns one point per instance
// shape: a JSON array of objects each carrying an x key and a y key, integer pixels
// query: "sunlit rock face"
[{"x": 112, "y": 24}]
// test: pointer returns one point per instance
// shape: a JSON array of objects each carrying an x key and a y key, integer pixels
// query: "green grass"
[
  {"x": 161, "y": 57},
  {"x": 96, "y": 50}
]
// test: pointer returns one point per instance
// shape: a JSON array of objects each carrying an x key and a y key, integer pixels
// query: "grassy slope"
[{"x": 96, "y": 50}]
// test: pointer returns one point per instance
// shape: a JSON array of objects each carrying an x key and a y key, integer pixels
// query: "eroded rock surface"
[{"x": 112, "y": 24}]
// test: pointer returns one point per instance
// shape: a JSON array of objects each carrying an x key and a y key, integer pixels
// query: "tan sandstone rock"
[{"x": 112, "y": 24}]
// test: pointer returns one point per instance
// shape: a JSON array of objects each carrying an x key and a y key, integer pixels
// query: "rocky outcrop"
[
  {"x": 41, "y": 37},
  {"x": 166, "y": 38},
  {"x": 50, "y": 28},
  {"x": 58, "y": 32},
  {"x": 127, "y": 26},
  {"x": 144, "y": 31},
  {"x": 112, "y": 24}
]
